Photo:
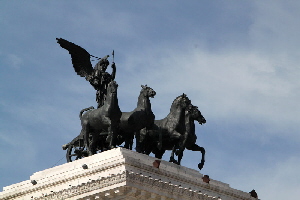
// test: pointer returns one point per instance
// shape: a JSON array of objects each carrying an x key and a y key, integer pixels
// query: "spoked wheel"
[{"x": 75, "y": 153}]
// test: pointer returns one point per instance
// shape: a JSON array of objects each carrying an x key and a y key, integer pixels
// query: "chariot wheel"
[{"x": 75, "y": 153}]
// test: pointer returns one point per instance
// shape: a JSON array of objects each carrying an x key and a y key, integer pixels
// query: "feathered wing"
[{"x": 80, "y": 57}]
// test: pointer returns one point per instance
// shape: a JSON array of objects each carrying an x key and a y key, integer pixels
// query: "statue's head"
[{"x": 102, "y": 64}]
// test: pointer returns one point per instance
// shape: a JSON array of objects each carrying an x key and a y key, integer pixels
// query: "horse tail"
[{"x": 85, "y": 109}]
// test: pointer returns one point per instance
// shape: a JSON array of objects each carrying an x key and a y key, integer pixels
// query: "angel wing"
[{"x": 80, "y": 57}]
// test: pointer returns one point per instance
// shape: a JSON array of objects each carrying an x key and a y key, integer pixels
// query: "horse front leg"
[
  {"x": 179, "y": 146},
  {"x": 140, "y": 137},
  {"x": 195, "y": 147},
  {"x": 180, "y": 155},
  {"x": 128, "y": 139},
  {"x": 112, "y": 134},
  {"x": 172, "y": 159},
  {"x": 201, "y": 164},
  {"x": 158, "y": 153},
  {"x": 138, "y": 140}
]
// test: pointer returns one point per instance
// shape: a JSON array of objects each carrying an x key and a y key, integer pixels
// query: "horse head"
[
  {"x": 195, "y": 114},
  {"x": 112, "y": 87},
  {"x": 147, "y": 91}
]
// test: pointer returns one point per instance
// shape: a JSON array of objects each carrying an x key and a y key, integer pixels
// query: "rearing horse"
[
  {"x": 192, "y": 113},
  {"x": 165, "y": 132},
  {"x": 141, "y": 117},
  {"x": 104, "y": 119}
]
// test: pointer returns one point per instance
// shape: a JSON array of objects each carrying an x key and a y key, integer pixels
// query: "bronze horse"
[
  {"x": 105, "y": 119},
  {"x": 164, "y": 132},
  {"x": 188, "y": 141},
  {"x": 141, "y": 117},
  {"x": 175, "y": 132}
]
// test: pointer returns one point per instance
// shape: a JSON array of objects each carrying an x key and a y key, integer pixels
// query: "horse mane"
[
  {"x": 174, "y": 104},
  {"x": 109, "y": 95},
  {"x": 172, "y": 118},
  {"x": 140, "y": 97}
]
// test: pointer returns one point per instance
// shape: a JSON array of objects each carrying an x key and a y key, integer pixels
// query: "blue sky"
[{"x": 238, "y": 61}]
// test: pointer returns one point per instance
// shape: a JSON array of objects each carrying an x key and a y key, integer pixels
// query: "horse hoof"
[
  {"x": 200, "y": 165},
  {"x": 174, "y": 161},
  {"x": 111, "y": 147}
]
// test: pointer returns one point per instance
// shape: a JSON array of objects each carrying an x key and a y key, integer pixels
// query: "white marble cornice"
[{"x": 120, "y": 174}]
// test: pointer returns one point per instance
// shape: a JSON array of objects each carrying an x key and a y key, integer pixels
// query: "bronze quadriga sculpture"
[{"x": 107, "y": 127}]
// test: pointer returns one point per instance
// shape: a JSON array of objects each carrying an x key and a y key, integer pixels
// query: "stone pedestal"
[{"x": 121, "y": 174}]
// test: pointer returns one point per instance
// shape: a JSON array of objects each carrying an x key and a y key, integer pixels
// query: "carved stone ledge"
[
  {"x": 138, "y": 179},
  {"x": 85, "y": 187},
  {"x": 165, "y": 187},
  {"x": 120, "y": 172}
]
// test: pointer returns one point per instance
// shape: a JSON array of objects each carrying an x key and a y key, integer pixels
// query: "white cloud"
[{"x": 245, "y": 83}]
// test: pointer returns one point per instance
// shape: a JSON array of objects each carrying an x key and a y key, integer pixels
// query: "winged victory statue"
[{"x": 97, "y": 75}]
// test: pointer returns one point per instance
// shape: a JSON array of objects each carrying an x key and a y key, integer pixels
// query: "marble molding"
[{"x": 120, "y": 174}]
